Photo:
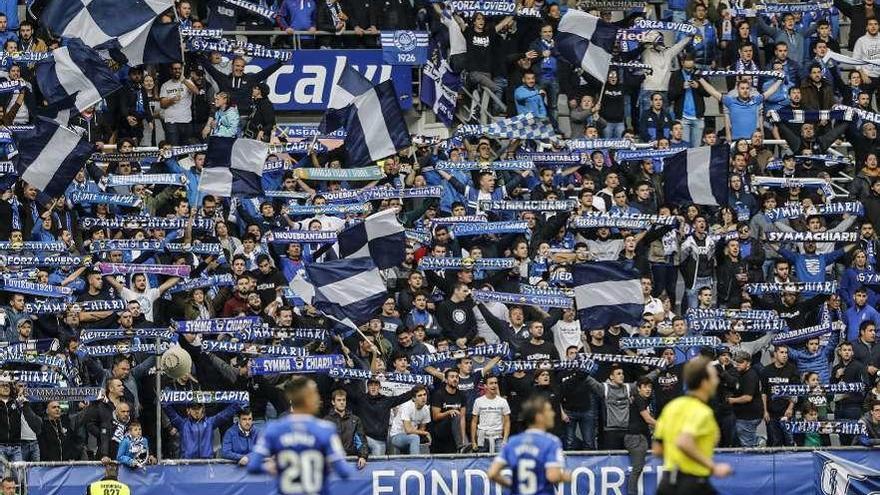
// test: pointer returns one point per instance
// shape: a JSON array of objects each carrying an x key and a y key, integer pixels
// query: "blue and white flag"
[
  {"x": 50, "y": 156},
  {"x": 607, "y": 293},
  {"x": 838, "y": 476},
  {"x": 698, "y": 176},
  {"x": 113, "y": 24},
  {"x": 586, "y": 41},
  {"x": 347, "y": 290},
  {"x": 233, "y": 167},
  {"x": 522, "y": 126},
  {"x": 439, "y": 89},
  {"x": 404, "y": 47},
  {"x": 75, "y": 76},
  {"x": 374, "y": 125},
  {"x": 349, "y": 86},
  {"x": 380, "y": 237}
]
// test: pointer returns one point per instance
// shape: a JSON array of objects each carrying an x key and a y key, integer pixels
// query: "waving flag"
[
  {"x": 75, "y": 73},
  {"x": 697, "y": 175},
  {"x": 586, "y": 41},
  {"x": 233, "y": 167},
  {"x": 380, "y": 237},
  {"x": 349, "y": 290},
  {"x": 607, "y": 293},
  {"x": 50, "y": 155},
  {"x": 350, "y": 85},
  {"x": 374, "y": 125},
  {"x": 103, "y": 23},
  {"x": 160, "y": 44}
]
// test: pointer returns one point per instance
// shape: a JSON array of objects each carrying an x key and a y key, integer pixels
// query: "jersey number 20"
[{"x": 301, "y": 472}]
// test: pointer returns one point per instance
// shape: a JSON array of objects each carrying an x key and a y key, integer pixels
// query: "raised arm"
[
  {"x": 714, "y": 93},
  {"x": 772, "y": 89}
]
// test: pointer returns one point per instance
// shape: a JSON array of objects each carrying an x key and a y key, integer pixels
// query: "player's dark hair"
[
  {"x": 295, "y": 389},
  {"x": 531, "y": 408},
  {"x": 695, "y": 372}
]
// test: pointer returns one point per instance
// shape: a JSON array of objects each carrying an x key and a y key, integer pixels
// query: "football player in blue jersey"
[
  {"x": 304, "y": 447},
  {"x": 534, "y": 456}
]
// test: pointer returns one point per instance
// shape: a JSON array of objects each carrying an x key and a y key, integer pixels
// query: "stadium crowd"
[{"x": 706, "y": 260}]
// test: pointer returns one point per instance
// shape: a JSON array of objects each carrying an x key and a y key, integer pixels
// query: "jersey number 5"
[
  {"x": 301, "y": 472},
  {"x": 527, "y": 480}
]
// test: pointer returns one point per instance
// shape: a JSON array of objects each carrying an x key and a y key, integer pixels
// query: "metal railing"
[{"x": 296, "y": 36}]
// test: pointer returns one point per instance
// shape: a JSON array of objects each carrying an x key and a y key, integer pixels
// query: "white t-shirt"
[
  {"x": 408, "y": 412},
  {"x": 567, "y": 334},
  {"x": 180, "y": 112},
  {"x": 490, "y": 413},
  {"x": 145, "y": 299}
]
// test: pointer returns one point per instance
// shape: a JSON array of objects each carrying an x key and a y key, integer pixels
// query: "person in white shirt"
[
  {"x": 867, "y": 48},
  {"x": 140, "y": 293},
  {"x": 175, "y": 98},
  {"x": 410, "y": 425},
  {"x": 491, "y": 419}
]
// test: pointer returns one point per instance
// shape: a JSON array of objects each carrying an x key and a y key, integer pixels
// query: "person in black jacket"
[
  {"x": 731, "y": 276},
  {"x": 262, "y": 117},
  {"x": 848, "y": 370},
  {"x": 350, "y": 428},
  {"x": 134, "y": 107},
  {"x": 363, "y": 18},
  {"x": 58, "y": 441},
  {"x": 395, "y": 14},
  {"x": 238, "y": 84},
  {"x": 577, "y": 405},
  {"x": 374, "y": 410},
  {"x": 11, "y": 408},
  {"x": 723, "y": 411},
  {"x": 680, "y": 83}
]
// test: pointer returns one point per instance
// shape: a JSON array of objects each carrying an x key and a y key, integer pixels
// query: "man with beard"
[
  {"x": 448, "y": 412},
  {"x": 238, "y": 302}
]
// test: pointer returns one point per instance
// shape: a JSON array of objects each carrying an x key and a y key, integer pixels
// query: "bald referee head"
[{"x": 686, "y": 434}]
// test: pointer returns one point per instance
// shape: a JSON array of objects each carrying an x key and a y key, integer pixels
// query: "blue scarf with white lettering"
[
  {"x": 532, "y": 300},
  {"x": 678, "y": 342},
  {"x": 419, "y": 361},
  {"x": 469, "y": 229},
  {"x": 825, "y": 427},
  {"x": 307, "y": 364},
  {"x": 204, "y": 397},
  {"x": 359, "y": 374}
]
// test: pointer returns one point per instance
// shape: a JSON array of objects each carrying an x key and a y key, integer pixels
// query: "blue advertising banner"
[
  {"x": 781, "y": 473},
  {"x": 305, "y": 81}
]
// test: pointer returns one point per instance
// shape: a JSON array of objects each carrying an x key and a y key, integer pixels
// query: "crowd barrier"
[{"x": 756, "y": 471}]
